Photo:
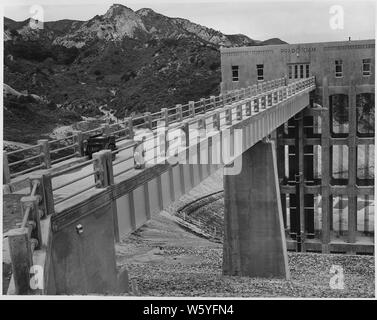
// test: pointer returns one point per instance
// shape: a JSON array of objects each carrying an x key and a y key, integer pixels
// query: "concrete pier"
[{"x": 254, "y": 239}]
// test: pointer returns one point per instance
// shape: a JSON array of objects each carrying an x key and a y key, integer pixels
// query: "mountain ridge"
[
  {"x": 135, "y": 21},
  {"x": 125, "y": 60}
]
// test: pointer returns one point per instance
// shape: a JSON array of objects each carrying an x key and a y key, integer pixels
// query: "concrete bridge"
[{"x": 73, "y": 215}]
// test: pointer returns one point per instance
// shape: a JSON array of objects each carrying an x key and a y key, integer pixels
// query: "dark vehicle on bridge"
[{"x": 100, "y": 142}]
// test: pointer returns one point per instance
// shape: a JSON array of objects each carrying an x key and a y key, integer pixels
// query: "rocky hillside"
[{"x": 129, "y": 61}]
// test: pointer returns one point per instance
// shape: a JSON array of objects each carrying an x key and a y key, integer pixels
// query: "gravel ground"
[
  {"x": 165, "y": 260},
  {"x": 197, "y": 272}
]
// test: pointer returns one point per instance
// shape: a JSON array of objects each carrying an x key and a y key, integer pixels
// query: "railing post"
[
  {"x": 78, "y": 139},
  {"x": 165, "y": 116},
  {"x": 254, "y": 90},
  {"x": 256, "y": 105},
  {"x": 260, "y": 87},
  {"x": 203, "y": 104},
  {"x": 6, "y": 171},
  {"x": 202, "y": 126},
  {"x": 139, "y": 154},
  {"x": 216, "y": 120},
  {"x": 106, "y": 131},
  {"x": 22, "y": 259},
  {"x": 192, "y": 108},
  {"x": 239, "y": 111},
  {"x": 228, "y": 115},
  {"x": 186, "y": 130},
  {"x": 179, "y": 112},
  {"x": 222, "y": 100},
  {"x": 269, "y": 99},
  {"x": 130, "y": 127},
  {"x": 35, "y": 214},
  {"x": 248, "y": 108},
  {"x": 45, "y": 149},
  {"x": 166, "y": 142},
  {"x": 212, "y": 100},
  {"x": 103, "y": 168},
  {"x": 148, "y": 120},
  {"x": 264, "y": 102},
  {"x": 43, "y": 192}
]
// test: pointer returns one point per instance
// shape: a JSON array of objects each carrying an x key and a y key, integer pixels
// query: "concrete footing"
[{"x": 254, "y": 239}]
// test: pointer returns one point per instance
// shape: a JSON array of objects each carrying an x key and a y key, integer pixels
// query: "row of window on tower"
[
  {"x": 235, "y": 73},
  {"x": 366, "y": 67},
  {"x": 301, "y": 70},
  {"x": 298, "y": 71}
]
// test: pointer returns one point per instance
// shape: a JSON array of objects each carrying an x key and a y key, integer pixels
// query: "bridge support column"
[{"x": 254, "y": 239}]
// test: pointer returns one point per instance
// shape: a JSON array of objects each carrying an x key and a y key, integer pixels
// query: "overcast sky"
[{"x": 293, "y": 21}]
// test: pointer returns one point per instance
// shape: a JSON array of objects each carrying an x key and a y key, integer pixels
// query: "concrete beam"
[{"x": 254, "y": 239}]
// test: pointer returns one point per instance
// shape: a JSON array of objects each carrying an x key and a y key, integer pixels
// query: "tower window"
[
  {"x": 298, "y": 70},
  {"x": 338, "y": 68},
  {"x": 301, "y": 70},
  {"x": 235, "y": 76},
  {"x": 260, "y": 76},
  {"x": 367, "y": 67}
]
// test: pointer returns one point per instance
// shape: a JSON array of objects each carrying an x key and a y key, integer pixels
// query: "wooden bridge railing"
[
  {"x": 49, "y": 152},
  {"x": 31, "y": 237}
]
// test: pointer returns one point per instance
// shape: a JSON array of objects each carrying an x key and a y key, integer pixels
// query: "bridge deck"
[{"x": 240, "y": 118}]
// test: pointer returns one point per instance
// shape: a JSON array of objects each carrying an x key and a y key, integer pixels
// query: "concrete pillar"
[
  {"x": 325, "y": 168},
  {"x": 254, "y": 239},
  {"x": 22, "y": 259},
  {"x": 352, "y": 165}
]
